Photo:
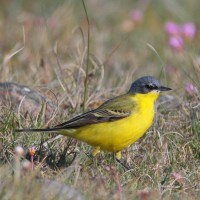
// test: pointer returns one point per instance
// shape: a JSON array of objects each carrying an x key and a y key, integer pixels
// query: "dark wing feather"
[{"x": 113, "y": 109}]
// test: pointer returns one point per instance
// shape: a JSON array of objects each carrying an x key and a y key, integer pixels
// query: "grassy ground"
[{"x": 44, "y": 46}]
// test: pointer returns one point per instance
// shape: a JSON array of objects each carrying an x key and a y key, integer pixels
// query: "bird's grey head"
[{"x": 146, "y": 84}]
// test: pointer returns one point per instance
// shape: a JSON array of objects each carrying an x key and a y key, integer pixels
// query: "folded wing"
[{"x": 114, "y": 109}]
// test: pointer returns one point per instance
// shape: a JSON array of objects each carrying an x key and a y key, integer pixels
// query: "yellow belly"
[{"x": 115, "y": 136}]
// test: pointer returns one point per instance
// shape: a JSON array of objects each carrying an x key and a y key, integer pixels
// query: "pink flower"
[
  {"x": 32, "y": 151},
  {"x": 136, "y": 15},
  {"x": 188, "y": 30},
  {"x": 176, "y": 43},
  {"x": 26, "y": 165},
  {"x": 19, "y": 151},
  {"x": 172, "y": 28},
  {"x": 190, "y": 89}
]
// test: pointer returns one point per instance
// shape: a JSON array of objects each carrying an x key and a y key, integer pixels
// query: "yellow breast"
[{"x": 115, "y": 136}]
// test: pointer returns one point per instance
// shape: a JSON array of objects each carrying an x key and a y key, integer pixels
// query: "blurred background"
[
  {"x": 129, "y": 39},
  {"x": 43, "y": 47}
]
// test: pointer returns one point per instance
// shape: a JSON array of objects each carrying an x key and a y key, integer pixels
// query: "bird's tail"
[{"x": 37, "y": 130}]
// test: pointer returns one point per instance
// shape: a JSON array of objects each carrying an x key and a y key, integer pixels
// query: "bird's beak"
[{"x": 162, "y": 88}]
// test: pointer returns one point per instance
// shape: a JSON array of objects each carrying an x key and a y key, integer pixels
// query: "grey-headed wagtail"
[{"x": 118, "y": 122}]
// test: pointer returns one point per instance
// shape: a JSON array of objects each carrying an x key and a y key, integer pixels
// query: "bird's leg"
[
  {"x": 118, "y": 155},
  {"x": 118, "y": 159},
  {"x": 95, "y": 151}
]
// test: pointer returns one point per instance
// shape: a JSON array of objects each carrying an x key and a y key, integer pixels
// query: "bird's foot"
[{"x": 118, "y": 155}]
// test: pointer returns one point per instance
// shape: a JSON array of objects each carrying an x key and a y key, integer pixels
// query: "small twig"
[
  {"x": 59, "y": 73},
  {"x": 8, "y": 57},
  {"x": 113, "y": 51},
  {"x": 88, "y": 53},
  {"x": 19, "y": 108},
  {"x": 45, "y": 144}
]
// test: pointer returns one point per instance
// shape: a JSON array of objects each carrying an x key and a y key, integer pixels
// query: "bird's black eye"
[{"x": 151, "y": 87}]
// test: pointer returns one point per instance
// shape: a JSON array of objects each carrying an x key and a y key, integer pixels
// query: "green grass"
[{"x": 50, "y": 56}]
